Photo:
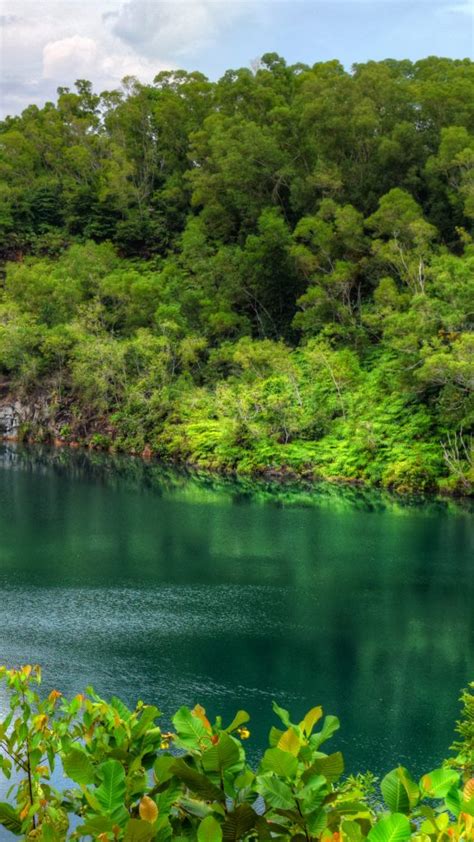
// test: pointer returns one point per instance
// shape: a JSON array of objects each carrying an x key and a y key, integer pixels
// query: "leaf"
[
  {"x": 162, "y": 767},
  {"x": 200, "y": 712},
  {"x": 78, "y": 767},
  {"x": 282, "y": 714},
  {"x": 453, "y": 800},
  {"x": 275, "y": 736},
  {"x": 238, "y": 823},
  {"x": 437, "y": 784},
  {"x": 111, "y": 792},
  {"x": 196, "y": 782},
  {"x": 289, "y": 741},
  {"x": 138, "y": 831},
  {"x": 399, "y": 790},
  {"x": 148, "y": 810},
  {"x": 331, "y": 767},
  {"x": 239, "y": 719},
  {"x": 330, "y": 726},
  {"x": 191, "y": 730},
  {"x": 279, "y": 761},
  {"x": 468, "y": 791},
  {"x": 394, "y": 828},
  {"x": 275, "y": 792},
  {"x": 313, "y": 794},
  {"x": 95, "y": 825},
  {"x": 351, "y": 831},
  {"x": 312, "y": 717},
  {"x": 121, "y": 708},
  {"x": 221, "y": 756},
  {"x": 10, "y": 819},
  {"x": 147, "y": 720},
  {"x": 209, "y": 830},
  {"x": 317, "y": 822}
]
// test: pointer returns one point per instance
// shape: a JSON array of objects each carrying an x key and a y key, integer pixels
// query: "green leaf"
[
  {"x": 111, "y": 792},
  {"x": 394, "y": 828},
  {"x": 331, "y": 767},
  {"x": 275, "y": 793},
  {"x": 121, "y": 708},
  {"x": 162, "y": 767},
  {"x": 282, "y": 714},
  {"x": 330, "y": 726},
  {"x": 399, "y": 790},
  {"x": 138, "y": 831},
  {"x": 239, "y": 719},
  {"x": 196, "y": 782},
  {"x": 191, "y": 730},
  {"x": 280, "y": 762},
  {"x": 10, "y": 819},
  {"x": 436, "y": 784},
  {"x": 78, "y": 767},
  {"x": 95, "y": 825},
  {"x": 209, "y": 830},
  {"x": 275, "y": 736},
  {"x": 146, "y": 721},
  {"x": 221, "y": 756},
  {"x": 351, "y": 831},
  {"x": 313, "y": 794}
]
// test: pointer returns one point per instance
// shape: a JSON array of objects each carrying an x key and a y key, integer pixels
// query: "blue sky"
[{"x": 46, "y": 43}]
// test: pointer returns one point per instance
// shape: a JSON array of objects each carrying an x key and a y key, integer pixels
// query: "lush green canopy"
[{"x": 269, "y": 272}]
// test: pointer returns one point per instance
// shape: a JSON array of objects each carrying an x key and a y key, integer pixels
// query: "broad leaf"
[
  {"x": 196, "y": 782},
  {"x": 394, "y": 828},
  {"x": 290, "y": 742},
  {"x": 78, "y": 767},
  {"x": 221, "y": 756},
  {"x": 10, "y": 819},
  {"x": 331, "y": 767},
  {"x": 238, "y": 823},
  {"x": 399, "y": 790},
  {"x": 330, "y": 726},
  {"x": 282, "y": 714},
  {"x": 281, "y": 762},
  {"x": 240, "y": 718},
  {"x": 209, "y": 830},
  {"x": 436, "y": 784},
  {"x": 312, "y": 717},
  {"x": 111, "y": 792},
  {"x": 191, "y": 730},
  {"x": 138, "y": 831},
  {"x": 275, "y": 792}
]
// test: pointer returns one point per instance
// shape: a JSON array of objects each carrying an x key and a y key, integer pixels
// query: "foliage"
[
  {"x": 129, "y": 780},
  {"x": 273, "y": 272}
]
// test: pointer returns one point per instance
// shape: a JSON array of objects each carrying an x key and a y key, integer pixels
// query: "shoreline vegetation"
[
  {"x": 268, "y": 275},
  {"x": 152, "y": 472},
  {"x": 127, "y": 779}
]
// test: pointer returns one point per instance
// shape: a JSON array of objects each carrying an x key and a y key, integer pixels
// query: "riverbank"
[{"x": 32, "y": 424}]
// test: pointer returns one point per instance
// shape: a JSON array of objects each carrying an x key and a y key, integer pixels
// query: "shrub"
[{"x": 131, "y": 781}]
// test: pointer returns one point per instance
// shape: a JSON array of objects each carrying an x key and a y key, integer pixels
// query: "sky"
[{"x": 47, "y": 43}]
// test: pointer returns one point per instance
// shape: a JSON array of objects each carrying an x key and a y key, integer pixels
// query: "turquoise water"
[{"x": 148, "y": 583}]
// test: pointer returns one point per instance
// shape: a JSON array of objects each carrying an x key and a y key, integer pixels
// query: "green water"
[{"x": 151, "y": 584}]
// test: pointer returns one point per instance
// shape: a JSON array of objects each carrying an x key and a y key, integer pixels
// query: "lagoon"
[{"x": 176, "y": 588}]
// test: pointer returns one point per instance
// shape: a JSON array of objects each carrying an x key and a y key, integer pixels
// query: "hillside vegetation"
[{"x": 269, "y": 273}]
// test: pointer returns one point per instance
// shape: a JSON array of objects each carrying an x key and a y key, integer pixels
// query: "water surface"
[{"x": 149, "y": 583}]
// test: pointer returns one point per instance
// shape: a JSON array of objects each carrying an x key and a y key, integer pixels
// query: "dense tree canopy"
[{"x": 272, "y": 271}]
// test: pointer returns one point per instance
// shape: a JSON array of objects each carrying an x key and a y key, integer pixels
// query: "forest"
[{"x": 268, "y": 274}]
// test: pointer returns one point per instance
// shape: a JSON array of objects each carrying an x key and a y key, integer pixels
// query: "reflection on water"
[{"x": 148, "y": 582}]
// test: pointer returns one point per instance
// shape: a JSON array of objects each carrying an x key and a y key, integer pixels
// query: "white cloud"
[
  {"x": 74, "y": 55},
  {"x": 181, "y": 27}
]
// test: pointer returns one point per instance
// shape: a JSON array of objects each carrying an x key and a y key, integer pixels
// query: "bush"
[{"x": 131, "y": 781}]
